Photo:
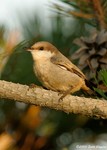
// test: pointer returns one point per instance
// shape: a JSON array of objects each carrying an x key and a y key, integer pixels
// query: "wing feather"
[{"x": 66, "y": 64}]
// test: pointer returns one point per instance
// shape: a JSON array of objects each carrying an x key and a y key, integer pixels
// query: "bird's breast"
[{"x": 42, "y": 70}]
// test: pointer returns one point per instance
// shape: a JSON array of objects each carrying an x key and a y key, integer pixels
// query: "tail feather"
[
  {"x": 89, "y": 87},
  {"x": 90, "y": 84}
]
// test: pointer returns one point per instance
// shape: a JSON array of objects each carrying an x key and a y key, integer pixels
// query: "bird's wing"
[{"x": 66, "y": 64}]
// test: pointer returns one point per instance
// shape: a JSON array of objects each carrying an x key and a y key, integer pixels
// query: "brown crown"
[{"x": 44, "y": 46}]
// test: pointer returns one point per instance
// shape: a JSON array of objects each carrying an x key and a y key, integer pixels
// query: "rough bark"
[{"x": 38, "y": 96}]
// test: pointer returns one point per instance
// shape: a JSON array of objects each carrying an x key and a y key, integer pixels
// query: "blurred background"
[{"x": 78, "y": 29}]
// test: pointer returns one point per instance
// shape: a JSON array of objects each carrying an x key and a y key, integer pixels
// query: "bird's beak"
[{"x": 29, "y": 49}]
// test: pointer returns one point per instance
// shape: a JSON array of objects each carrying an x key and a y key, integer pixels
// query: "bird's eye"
[{"x": 41, "y": 48}]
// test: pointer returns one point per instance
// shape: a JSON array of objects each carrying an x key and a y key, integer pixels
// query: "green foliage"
[
  {"x": 16, "y": 69},
  {"x": 103, "y": 76},
  {"x": 101, "y": 93},
  {"x": 92, "y": 12},
  {"x": 103, "y": 79}
]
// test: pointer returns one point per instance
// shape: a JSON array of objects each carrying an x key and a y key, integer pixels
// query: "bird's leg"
[
  {"x": 70, "y": 90},
  {"x": 65, "y": 94},
  {"x": 32, "y": 85}
]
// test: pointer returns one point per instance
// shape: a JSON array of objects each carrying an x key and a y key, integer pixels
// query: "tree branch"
[
  {"x": 41, "y": 97},
  {"x": 99, "y": 12}
]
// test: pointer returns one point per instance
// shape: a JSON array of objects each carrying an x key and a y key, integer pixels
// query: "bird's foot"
[{"x": 32, "y": 85}]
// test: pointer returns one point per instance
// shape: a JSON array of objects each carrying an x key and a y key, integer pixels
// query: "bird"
[{"x": 55, "y": 71}]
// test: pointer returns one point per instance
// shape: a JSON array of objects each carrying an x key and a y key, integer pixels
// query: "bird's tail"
[{"x": 89, "y": 87}]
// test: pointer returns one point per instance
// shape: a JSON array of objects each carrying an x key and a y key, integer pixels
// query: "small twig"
[
  {"x": 81, "y": 15},
  {"x": 99, "y": 12},
  {"x": 74, "y": 13}
]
